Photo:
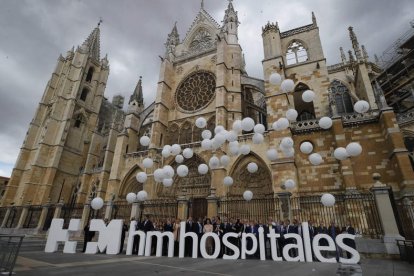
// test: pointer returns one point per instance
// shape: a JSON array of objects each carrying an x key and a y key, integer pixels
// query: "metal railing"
[
  {"x": 33, "y": 216},
  {"x": 121, "y": 210},
  {"x": 9, "y": 250},
  {"x": 405, "y": 210}
]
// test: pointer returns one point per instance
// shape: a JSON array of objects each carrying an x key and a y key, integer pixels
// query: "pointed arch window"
[
  {"x": 296, "y": 53},
  {"x": 172, "y": 137},
  {"x": 90, "y": 74},
  {"x": 78, "y": 121},
  {"x": 186, "y": 133},
  {"x": 306, "y": 111},
  {"x": 342, "y": 96},
  {"x": 84, "y": 94}
]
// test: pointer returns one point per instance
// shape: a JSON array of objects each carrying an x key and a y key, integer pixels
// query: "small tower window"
[
  {"x": 84, "y": 94},
  {"x": 90, "y": 74},
  {"x": 306, "y": 111},
  {"x": 296, "y": 53},
  {"x": 343, "y": 100},
  {"x": 78, "y": 121}
]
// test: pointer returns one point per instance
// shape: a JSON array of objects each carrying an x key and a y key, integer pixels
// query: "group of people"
[{"x": 221, "y": 226}]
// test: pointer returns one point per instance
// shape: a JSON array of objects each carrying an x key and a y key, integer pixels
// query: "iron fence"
[
  {"x": 121, "y": 210},
  {"x": 255, "y": 209},
  {"x": 14, "y": 217},
  {"x": 33, "y": 216},
  {"x": 3, "y": 211},
  {"x": 49, "y": 217},
  {"x": 9, "y": 250},
  {"x": 159, "y": 209},
  {"x": 405, "y": 210},
  {"x": 71, "y": 211},
  {"x": 359, "y": 209}
]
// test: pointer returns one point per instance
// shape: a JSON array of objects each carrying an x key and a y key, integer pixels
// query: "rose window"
[{"x": 196, "y": 91}]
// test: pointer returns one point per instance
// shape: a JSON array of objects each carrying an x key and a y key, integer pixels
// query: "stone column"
[
  {"x": 212, "y": 199},
  {"x": 43, "y": 215},
  {"x": 58, "y": 209},
  {"x": 6, "y": 217},
  {"x": 23, "y": 215},
  {"x": 182, "y": 208},
  {"x": 135, "y": 210},
  {"x": 387, "y": 216},
  {"x": 108, "y": 210},
  {"x": 285, "y": 208},
  {"x": 85, "y": 213}
]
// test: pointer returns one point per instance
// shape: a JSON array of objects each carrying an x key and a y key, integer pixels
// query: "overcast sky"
[{"x": 34, "y": 33}]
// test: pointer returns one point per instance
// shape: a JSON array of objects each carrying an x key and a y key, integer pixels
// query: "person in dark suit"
[
  {"x": 321, "y": 229},
  {"x": 88, "y": 235},
  {"x": 225, "y": 227},
  {"x": 333, "y": 231},
  {"x": 189, "y": 227},
  {"x": 136, "y": 237},
  {"x": 147, "y": 224},
  {"x": 348, "y": 229},
  {"x": 168, "y": 227},
  {"x": 124, "y": 230}
]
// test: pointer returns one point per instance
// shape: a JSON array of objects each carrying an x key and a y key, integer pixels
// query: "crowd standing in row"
[{"x": 225, "y": 225}]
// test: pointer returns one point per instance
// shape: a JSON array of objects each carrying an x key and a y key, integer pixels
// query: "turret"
[
  {"x": 271, "y": 41},
  {"x": 136, "y": 101},
  {"x": 230, "y": 24}
]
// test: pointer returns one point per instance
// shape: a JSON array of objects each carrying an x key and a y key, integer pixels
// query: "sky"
[{"x": 34, "y": 33}]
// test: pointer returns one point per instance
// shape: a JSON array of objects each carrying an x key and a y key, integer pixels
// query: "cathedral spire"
[
  {"x": 92, "y": 44},
  {"x": 137, "y": 95},
  {"x": 364, "y": 53},
  {"x": 343, "y": 57},
  {"x": 351, "y": 57},
  {"x": 355, "y": 43},
  {"x": 202, "y": 4},
  {"x": 314, "y": 19},
  {"x": 172, "y": 40}
]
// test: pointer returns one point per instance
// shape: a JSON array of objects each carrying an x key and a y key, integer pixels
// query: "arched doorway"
[
  {"x": 130, "y": 183},
  {"x": 195, "y": 186}
]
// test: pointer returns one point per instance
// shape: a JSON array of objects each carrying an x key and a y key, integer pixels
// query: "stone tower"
[{"x": 56, "y": 145}]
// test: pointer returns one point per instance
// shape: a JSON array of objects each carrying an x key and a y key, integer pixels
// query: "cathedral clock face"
[{"x": 196, "y": 91}]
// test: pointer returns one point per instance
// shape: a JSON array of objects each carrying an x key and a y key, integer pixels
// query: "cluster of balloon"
[{"x": 213, "y": 141}]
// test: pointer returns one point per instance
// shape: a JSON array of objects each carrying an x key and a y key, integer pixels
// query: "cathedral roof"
[{"x": 137, "y": 95}]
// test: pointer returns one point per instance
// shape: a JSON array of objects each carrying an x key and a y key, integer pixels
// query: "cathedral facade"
[{"x": 80, "y": 146}]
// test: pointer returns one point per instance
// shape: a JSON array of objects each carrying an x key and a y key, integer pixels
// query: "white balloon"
[
  {"x": 361, "y": 106},
  {"x": 188, "y": 153},
  {"x": 354, "y": 149},
  {"x": 168, "y": 171},
  {"x": 220, "y": 139},
  {"x": 234, "y": 150},
  {"x": 142, "y": 195},
  {"x": 325, "y": 122},
  {"x": 257, "y": 138},
  {"x": 259, "y": 128},
  {"x": 288, "y": 152},
  {"x": 97, "y": 203},
  {"x": 234, "y": 144},
  {"x": 231, "y": 136},
  {"x": 159, "y": 175},
  {"x": 147, "y": 163},
  {"x": 218, "y": 129},
  {"x": 275, "y": 125},
  {"x": 214, "y": 162},
  {"x": 328, "y": 200},
  {"x": 287, "y": 85},
  {"x": 167, "y": 182},
  {"x": 306, "y": 147},
  {"x": 315, "y": 159},
  {"x": 206, "y": 134},
  {"x": 182, "y": 170},
  {"x": 206, "y": 144},
  {"x": 247, "y": 195},
  {"x": 247, "y": 124},
  {"x": 282, "y": 123},
  {"x": 290, "y": 184},
  {"x": 308, "y": 96},
  {"x": 224, "y": 160},
  {"x": 216, "y": 143},
  {"x": 252, "y": 167},
  {"x": 245, "y": 149},
  {"x": 141, "y": 177},
  {"x": 275, "y": 79},
  {"x": 179, "y": 159},
  {"x": 131, "y": 197},
  {"x": 340, "y": 153},
  {"x": 167, "y": 148},
  {"x": 144, "y": 141},
  {"x": 201, "y": 122},
  {"x": 287, "y": 142},
  {"x": 237, "y": 126},
  {"x": 165, "y": 153},
  {"x": 228, "y": 181},
  {"x": 291, "y": 115},
  {"x": 202, "y": 169},
  {"x": 175, "y": 149},
  {"x": 272, "y": 154}
]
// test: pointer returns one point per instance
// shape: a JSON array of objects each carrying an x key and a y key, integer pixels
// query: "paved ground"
[{"x": 33, "y": 261}]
